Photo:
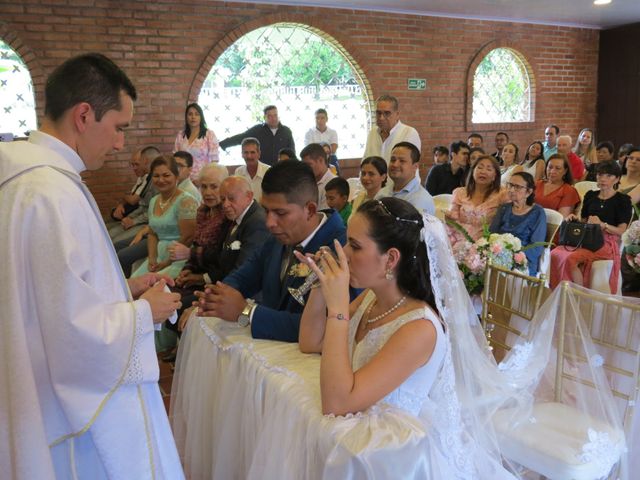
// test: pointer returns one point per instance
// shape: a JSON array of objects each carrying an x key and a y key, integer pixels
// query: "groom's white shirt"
[{"x": 78, "y": 383}]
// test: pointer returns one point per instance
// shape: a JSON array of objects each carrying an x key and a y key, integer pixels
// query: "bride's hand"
[{"x": 334, "y": 277}]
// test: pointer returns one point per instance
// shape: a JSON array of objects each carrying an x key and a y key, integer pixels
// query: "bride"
[{"x": 393, "y": 342}]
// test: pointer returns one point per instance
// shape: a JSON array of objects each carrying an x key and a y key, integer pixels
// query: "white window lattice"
[
  {"x": 295, "y": 69},
  {"x": 501, "y": 89},
  {"x": 17, "y": 108}
]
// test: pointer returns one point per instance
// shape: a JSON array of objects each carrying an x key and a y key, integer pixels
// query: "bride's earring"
[{"x": 389, "y": 274}]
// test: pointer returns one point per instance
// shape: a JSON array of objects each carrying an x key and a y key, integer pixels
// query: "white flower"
[{"x": 235, "y": 245}]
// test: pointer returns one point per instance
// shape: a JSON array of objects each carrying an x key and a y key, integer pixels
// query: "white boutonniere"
[
  {"x": 235, "y": 245},
  {"x": 299, "y": 270}
]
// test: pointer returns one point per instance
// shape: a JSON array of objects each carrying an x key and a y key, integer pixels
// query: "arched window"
[
  {"x": 18, "y": 106},
  {"x": 299, "y": 70},
  {"x": 501, "y": 88}
]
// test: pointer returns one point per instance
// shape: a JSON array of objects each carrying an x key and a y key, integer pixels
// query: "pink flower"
[
  {"x": 520, "y": 257},
  {"x": 496, "y": 248}
]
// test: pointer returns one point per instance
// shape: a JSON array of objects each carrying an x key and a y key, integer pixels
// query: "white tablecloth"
[{"x": 244, "y": 408}]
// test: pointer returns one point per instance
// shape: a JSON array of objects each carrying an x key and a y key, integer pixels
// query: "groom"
[{"x": 290, "y": 200}]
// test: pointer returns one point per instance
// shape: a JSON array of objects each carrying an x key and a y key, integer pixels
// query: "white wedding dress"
[{"x": 413, "y": 392}]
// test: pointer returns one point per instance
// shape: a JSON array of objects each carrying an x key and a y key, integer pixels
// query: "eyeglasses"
[
  {"x": 516, "y": 187},
  {"x": 181, "y": 165},
  {"x": 383, "y": 113}
]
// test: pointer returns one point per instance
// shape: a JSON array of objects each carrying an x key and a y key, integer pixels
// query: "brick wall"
[{"x": 167, "y": 48}]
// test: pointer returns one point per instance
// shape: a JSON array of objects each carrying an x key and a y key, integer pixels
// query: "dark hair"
[
  {"x": 503, "y": 133},
  {"x": 532, "y": 161},
  {"x": 292, "y": 178},
  {"x": 457, "y": 146},
  {"x": 338, "y": 184},
  {"x": 322, "y": 111},
  {"x": 625, "y": 147},
  {"x": 378, "y": 163},
  {"x": 568, "y": 176},
  {"x": 250, "y": 141},
  {"x": 608, "y": 168},
  {"x": 531, "y": 185},
  {"x": 475, "y": 135},
  {"x": 91, "y": 78},
  {"x": 314, "y": 151},
  {"x": 555, "y": 127},
  {"x": 441, "y": 149},
  {"x": 415, "y": 152},
  {"x": 186, "y": 156},
  {"x": 203, "y": 122},
  {"x": 268, "y": 107},
  {"x": 633, "y": 150},
  {"x": 608, "y": 145},
  {"x": 389, "y": 98},
  {"x": 288, "y": 152},
  {"x": 476, "y": 149},
  {"x": 471, "y": 183},
  {"x": 166, "y": 160},
  {"x": 395, "y": 223}
]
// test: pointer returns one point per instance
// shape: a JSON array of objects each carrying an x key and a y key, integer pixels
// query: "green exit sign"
[{"x": 417, "y": 84}]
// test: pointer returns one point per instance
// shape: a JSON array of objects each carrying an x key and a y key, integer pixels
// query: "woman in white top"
[
  {"x": 510, "y": 163},
  {"x": 533, "y": 162},
  {"x": 390, "y": 344}
]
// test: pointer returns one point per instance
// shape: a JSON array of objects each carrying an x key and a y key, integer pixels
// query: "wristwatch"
[{"x": 245, "y": 317}]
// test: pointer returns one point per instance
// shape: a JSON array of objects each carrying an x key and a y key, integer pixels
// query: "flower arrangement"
[
  {"x": 631, "y": 242},
  {"x": 472, "y": 256}
]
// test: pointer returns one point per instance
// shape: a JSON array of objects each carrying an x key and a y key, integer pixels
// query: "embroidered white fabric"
[{"x": 133, "y": 374}]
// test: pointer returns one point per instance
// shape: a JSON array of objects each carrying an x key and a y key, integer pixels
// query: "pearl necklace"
[{"x": 382, "y": 315}]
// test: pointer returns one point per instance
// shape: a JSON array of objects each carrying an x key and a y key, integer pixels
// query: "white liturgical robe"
[{"x": 78, "y": 384}]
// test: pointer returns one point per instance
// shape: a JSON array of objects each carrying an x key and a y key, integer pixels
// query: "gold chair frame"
[{"x": 499, "y": 304}]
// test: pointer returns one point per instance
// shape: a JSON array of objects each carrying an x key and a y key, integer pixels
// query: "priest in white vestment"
[{"x": 78, "y": 385}]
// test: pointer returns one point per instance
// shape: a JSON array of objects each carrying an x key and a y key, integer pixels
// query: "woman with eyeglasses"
[{"x": 522, "y": 218}]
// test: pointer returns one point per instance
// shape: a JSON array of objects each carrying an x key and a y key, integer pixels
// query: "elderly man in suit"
[{"x": 290, "y": 200}]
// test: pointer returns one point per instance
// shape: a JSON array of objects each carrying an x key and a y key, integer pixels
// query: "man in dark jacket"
[{"x": 272, "y": 135}]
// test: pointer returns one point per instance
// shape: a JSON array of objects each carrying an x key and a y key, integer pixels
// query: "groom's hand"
[{"x": 222, "y": 301}]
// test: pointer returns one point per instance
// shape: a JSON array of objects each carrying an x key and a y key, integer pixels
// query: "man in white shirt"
[
  {"x": 79, "y": 380},
  {"x": 184, "y": 160},
  {"x": 322, "y": 133},
  {"x": 389, "y": 130},
  {"x": 253, "y": 170},
  {"x": 316, "y": 157},
  {"x": 402, "y": 170}
]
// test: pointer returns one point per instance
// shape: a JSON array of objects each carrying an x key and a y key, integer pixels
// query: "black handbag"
[{"x": 581, "y": 235}]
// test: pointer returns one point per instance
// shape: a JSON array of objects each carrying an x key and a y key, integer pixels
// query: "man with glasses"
[
  {"x": 389, "y": 130},
  {"x": 184, "y": 160}
]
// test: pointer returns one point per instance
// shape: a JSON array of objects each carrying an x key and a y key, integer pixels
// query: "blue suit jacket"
[{"x": 278, "y": 316}]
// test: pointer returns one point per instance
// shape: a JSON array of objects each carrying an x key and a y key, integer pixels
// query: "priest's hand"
[
  {"x": 162, "y": 303},
  {"x": 141, "y": 284},
  {"x": 222, "y": 301}
]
